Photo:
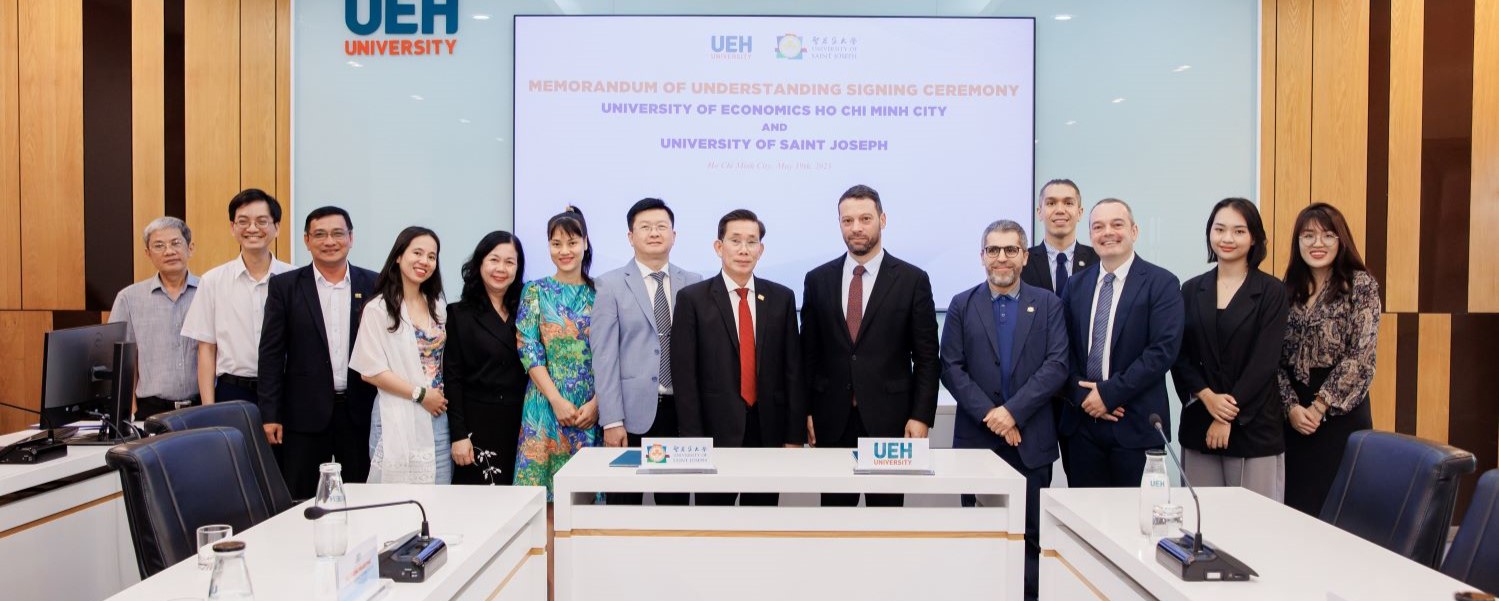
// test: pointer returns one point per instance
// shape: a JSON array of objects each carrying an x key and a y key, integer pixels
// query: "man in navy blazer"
[
  {"x": 631, "y": 348},
  {"x": 1004, "y": 356},
  {"x": 1124, "y": 321}
]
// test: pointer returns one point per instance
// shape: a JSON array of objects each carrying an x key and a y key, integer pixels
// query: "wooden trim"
[
  {"x": 1382, "y": 391},
  {"x": 1403, "y": 260},
  {"x": 21, "y": 350},
  {"x": 10, "y": 157},
  {"x": 1079, "y": 575},
  {"x": 1293, "y": 120},
  {"x": 1267, "y": 131},
  {"x": 257, "y": 99},
  {"x": 211, "y": 116},
  {"x": 1483, "y": 263},
  {"x": 1340, "y": 109},
  {"x": 513, "y": 571},
  {"x": 1434, "y": 382},
  {"x": 60, "y": 515},
  {"x": 788, "y": 534},
  {"x": 148, "y": 128},
  {"x": 283, "y": 123}
]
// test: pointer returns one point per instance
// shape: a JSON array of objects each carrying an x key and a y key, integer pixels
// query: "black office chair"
[
  {"x": 241, "y": 416},
  {"x": 1474, "y": 557},
  {"x": 1398, "y": 492},
  {"x": 179, "y": 481}
]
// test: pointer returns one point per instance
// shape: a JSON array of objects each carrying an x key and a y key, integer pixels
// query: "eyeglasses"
[
  {"x": 660, "y": 228},
  {"x": 160, "y": 248},
  {"x": 1010, "y": 252},
  {"x": 321, "y": 235},
  {"x": 750, "y": 244},
  {"x": 246, "y": 222},
  {"x": 1310, "y": 238}
]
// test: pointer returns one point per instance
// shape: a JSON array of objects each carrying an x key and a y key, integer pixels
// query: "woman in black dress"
[{"x": 485, "y": 382}]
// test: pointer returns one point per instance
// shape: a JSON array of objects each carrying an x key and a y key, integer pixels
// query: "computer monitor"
[{"x": 87, "y": 372}]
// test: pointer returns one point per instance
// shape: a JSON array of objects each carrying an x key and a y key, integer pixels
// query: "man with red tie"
[{"x": 735, "y": 355}]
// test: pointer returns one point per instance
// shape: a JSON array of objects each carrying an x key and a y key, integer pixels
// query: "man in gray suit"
[{"x": 631, "y": 338}]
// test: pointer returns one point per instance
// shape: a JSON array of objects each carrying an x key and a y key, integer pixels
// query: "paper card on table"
[
  {"x": 358, "y": 572},
  {"x": 676, "y": 456},
  {"x": 894, "y": 456}
]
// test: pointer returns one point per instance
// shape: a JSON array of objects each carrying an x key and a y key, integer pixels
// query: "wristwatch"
[{"x": 418, "y": 393}]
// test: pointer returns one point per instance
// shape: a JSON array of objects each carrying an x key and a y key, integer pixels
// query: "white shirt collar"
[
  {"x": 322, "y": 281},
  {"x": 871, "y": 267},
  {"x": 1071, "y": 249},
  {"x": 646, "y": 271},
  {"x": 1122, "y": 272},
  {"x": 237, "y": 267},
  {"x": 728, "y": 281}
]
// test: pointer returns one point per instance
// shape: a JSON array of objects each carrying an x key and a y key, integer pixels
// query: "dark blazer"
[
  {"x": 705, "y": 365},
  {"x": 1038, "y": 272},
  {"x": 893, "y": 369},
  {"x": 480, "y": 363},
  {"x": 1147, "y": 334},
  {"x": 1243, "y": 364},
  {"x": 295, "y": 375},
  {"x": 1038, "y": 369}
]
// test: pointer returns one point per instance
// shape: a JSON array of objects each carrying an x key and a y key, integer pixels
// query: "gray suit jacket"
[{"x": 626, "y": 350}]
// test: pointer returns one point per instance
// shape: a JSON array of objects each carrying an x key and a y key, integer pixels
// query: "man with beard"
[
  {"x": 1004, "y": 355},
  {"x": 869, "y": 339}
]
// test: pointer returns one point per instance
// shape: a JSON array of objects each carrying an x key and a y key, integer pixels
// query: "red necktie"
[
  {"x": 855, "y": 313},
  {"x": 746, "y": 349}
]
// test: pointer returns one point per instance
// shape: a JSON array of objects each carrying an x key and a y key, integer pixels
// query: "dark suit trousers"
[
  {"x": 342, "y": 441},
  {"x": 224, "y": 391},
  {"x": 752, "y": 439},
  {"x": 852, "y": 432},
  {"x": 1097, "y": 459},
  {"x": 664, "y": 426},
  {"x": 1035, "y": 480}
]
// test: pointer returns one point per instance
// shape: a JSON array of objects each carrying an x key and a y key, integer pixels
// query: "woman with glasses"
[
  {"x": 560, "y": 413},
  {"x": 1327, "y": 359},
  {"x": 1225, "y": 374}
]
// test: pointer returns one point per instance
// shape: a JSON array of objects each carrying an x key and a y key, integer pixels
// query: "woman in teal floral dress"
[{"x": 560, "y": 414}]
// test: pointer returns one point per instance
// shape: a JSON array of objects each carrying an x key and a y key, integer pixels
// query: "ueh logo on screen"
[
  {"x": 400, "y": 18},
  {"x": 731, "y": 47}
]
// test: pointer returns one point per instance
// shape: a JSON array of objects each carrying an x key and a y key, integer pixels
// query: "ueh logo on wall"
[{"x": 401, "y": 18}]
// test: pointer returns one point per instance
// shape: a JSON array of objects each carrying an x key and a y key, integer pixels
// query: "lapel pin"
[
  {"x": 1030, "y": 309},
  {"x": 1079, "y": 263},
  {"x": 760, "y": 296},
  {"x": 358, "y": 295}
]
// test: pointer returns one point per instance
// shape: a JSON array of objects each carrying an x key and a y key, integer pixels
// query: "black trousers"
[
  {"x": 493, "y": 427},
  {"x": 343, "y": 441},
  {"x": 148, "y": 406},
  {"x": 664, "y": 426},
  {"x": 224, "y": 391},
  {"x": 752, "y": 439},
  {"x": 1312, "y": 461},
  {"x": 1098, "y": 461},
  {"x": 852, "y": 432},
  {"x": 1035, "y": 479}
]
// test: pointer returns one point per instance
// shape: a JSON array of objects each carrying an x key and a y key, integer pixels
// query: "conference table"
[
  {"x": 496, "y": 538},
  {"x": 931, "y": 548},
  {"x": 1092, "y": 549}
]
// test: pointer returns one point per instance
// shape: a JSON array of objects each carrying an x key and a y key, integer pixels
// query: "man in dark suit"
[
  {"x": 312, "y": 405},
  {"x": 869, "y": 340},
  {"x": 735, "y": 356},
  {"x": 1004, "y": 357},
  {"x": 1124, "y": 321}
]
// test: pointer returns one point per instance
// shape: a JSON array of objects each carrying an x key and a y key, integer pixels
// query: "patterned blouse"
[
  {"x": 430, "y": 347},
  {"x": 1340, "y": 335}
]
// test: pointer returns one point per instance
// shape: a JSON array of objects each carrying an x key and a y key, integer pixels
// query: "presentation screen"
[{"x": 778, "y": 115}]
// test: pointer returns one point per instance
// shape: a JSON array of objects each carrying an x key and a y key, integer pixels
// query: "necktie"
[
  {"x": 1061, "y": 279},
  {"x": 663, "y": 327},
  {"x": 746, "y": 349},
  {"x": 1100, "y": 329},
  {"x": 855, "y": 312}
]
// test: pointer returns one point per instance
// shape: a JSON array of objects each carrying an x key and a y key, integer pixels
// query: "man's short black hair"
[
  {"x": 863, "y": 191},
  {"x": 739, "y": 215},
  {"x": 647, "y": 204},
  {"x": 327, "y": 211},
  {"x": 253, "y": 195}
]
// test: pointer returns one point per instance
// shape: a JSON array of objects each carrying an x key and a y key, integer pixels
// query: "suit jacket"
[
  {"x": 627, "y": 346},
  {"x": 1242, "y": 364},
  {"x": 892, "y": 370},
  {"x": 971, "y": 369},
  {"x": 295, "y": 374},
  {"x": 1038, "y": 273},
  {"x": 1147, "y": 334},
  {"x": 480, "y": 362},
  {"x": 705, "y": 365}
]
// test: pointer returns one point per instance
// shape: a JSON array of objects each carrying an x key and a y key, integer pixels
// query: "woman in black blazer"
[
  {"x": 484, "y": 379},
  {"x": 1231, "y": 432}
]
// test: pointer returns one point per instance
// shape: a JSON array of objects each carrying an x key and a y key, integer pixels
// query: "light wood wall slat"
[
  {"x": 10, "y": 157},
  {"x": 1434, "y": 382},
  {"x": 51, "y": 139},
  {"x": 1382, "y": 392},
  {"x": 1483, "y": 263},
  {"x": 21, "y": 350},
  {"x": 1293, "y": 118},
  {"x": 148, "y": 121},
  {"x": 1340, "y": 109},
  {"x": 211, "y": 115},
  {"x": 1267, "y": 129},
  {"x": 283, "y": 118},
  {"x": 257, "y": 104},
  {"x": 1407, "y": 35}
]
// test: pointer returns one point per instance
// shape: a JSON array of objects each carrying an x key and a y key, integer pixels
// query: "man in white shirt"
[{"x": 228, "y": 312}]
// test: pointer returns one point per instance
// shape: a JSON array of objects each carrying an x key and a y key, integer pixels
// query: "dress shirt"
[
  {"x": 167, "y": 362},
  {"x": 1120, "y": 275},
  {"x": 228, "y": 312},
  {"x": 734, "y": 301},
  {"x": 650, "y": 294},
  {"x": 335, "y": 301},
  {"x": 1004, "y": 307},
  {"x": 1051, "y": 263},
  {"x": 871, "y": 270}
]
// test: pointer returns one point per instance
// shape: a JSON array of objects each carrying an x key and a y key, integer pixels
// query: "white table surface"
[
  {"x": 20, "y": 477},
  {"x": 1297, "y": 556}
]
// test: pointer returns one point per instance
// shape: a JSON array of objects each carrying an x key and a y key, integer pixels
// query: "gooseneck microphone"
[
  {"x": 316, "y": 512},
  {"x": 1193, "y": 560},
  {"x": 1155, "y": 422}
]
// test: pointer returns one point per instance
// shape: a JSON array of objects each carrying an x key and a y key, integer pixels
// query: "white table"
[
  {"x": 501, "y": 555},
  {"x": 71, "y": 503},
  {"x": 791, "y": 552},
  {"x": 1092, "y": 549}
]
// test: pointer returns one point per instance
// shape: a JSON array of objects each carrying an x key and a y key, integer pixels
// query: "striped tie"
[
  {"x": 663, "y": 327},
  {"x": 1100, "y": 329}
]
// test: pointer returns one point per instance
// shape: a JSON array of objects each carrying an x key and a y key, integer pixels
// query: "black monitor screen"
[{"x": 76, "y": 374}]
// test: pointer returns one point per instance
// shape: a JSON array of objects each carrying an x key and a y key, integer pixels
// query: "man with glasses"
[
  {"x": 310, "y": 402},
  {"x": 227, "y": 314},
  {"x": 153, "y": 311},
  {"x": 631, "y": 338}
]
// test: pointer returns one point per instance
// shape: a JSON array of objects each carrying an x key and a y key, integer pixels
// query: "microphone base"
[
  {"x": 1207, "y": 565},
  {"x": 412, "y": 557}
]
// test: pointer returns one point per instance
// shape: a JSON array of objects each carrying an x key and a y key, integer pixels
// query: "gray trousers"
[{"x": 1264, "y": 475}]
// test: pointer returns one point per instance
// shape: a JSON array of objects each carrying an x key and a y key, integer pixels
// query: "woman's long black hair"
[
  {"x": 389, "y": 285},
  {"x": 570, "y": 221},
  {"x": 473, "y": 283}
]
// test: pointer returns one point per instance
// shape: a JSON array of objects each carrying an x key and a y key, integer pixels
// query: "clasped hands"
[{"x": 999, "y": 421}]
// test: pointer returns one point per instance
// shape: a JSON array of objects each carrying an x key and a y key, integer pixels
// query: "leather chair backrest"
[
  {"x": 242, "y": 416},
  {"x": 179, "y": 481},
  {"x": 1474, "y": 557},
  {"x": 1397, "y": 491}
]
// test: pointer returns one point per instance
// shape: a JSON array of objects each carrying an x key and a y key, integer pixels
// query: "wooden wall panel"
[
  {"x": 1403, "y": 262},
  {"x": 148, "y": 128},
  {"x": 1434, "y": 384},
  {"x": 1272, "y": 261},
  {"x": 283, "y": 121},
  {"x": 51, "y": 166},
  {"x": 1293, "y": 119},
  {"x": 1382, "y": 392},
  {"x": 10, "y": 158},
  {"x": 1340, "y": 108},
  {"x": 21, "y": 335},
  {"x": 1483, "y": 263},
  {"x": 257, "y": 89},
  {"x": 211, "y": 115}
]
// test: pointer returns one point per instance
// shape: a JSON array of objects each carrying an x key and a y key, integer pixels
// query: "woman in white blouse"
[{"x": 399, "y": 350}]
